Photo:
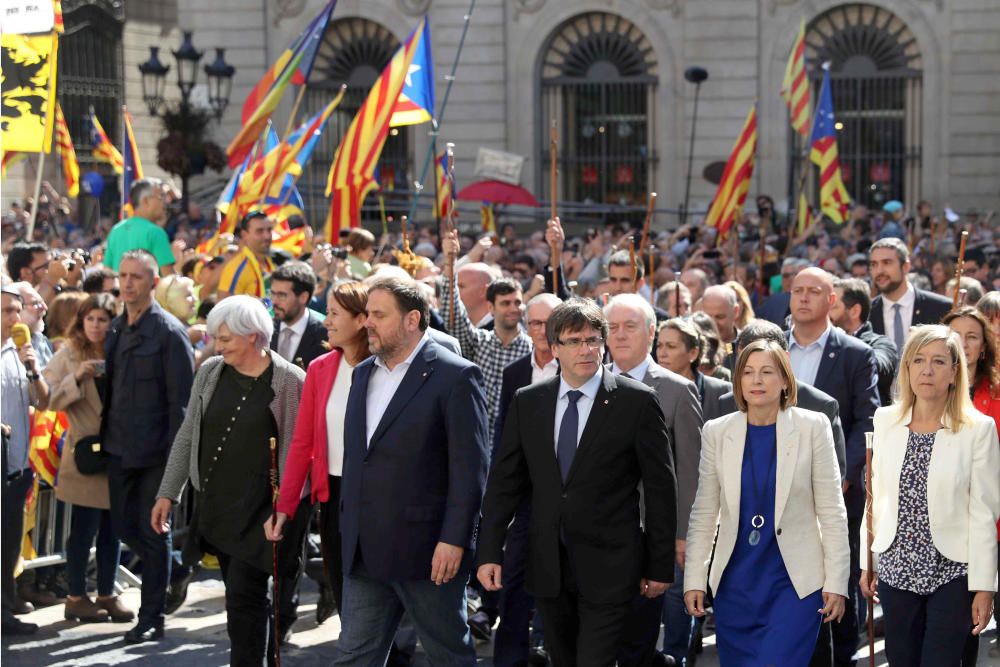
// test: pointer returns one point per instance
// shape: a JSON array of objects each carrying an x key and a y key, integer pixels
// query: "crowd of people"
[{"x": 570, "y": 459}]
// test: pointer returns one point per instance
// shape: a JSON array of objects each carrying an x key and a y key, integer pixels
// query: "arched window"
[
  {"x": 598, "y": 78},
  {"x": 90, "y": 70},
  {"x": 876, "y": 81},
  {"x": 354, "y": 51}
]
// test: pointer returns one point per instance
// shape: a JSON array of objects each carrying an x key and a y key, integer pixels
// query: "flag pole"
[
  {"x": 284, "y": 139},
  {"x": 41, "y": 154},
  {"x": 554, "y": 259},
  {"x": 436, "y": 123}
]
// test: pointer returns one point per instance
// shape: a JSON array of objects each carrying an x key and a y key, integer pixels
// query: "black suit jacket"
[
  {"x": 516, "y": 375},
  {"x": 928, "y": 308},
  {"x": 813, "y": 399},
  {"x": 596, "y": 513},
  {"x": 886, "y": 359},
  {"x": 311, "y": 345}
]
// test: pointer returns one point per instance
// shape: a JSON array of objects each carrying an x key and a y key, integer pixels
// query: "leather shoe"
[
  {"x": 144, "y": 631},
  {"x": 286, "y": 636},
  {"x": 15, "y": 626},
  {"x": 325, "y": 606},
  {"x": 664, "y": 660},
  {"x": 39, "y": 598},
  {"x": 479, "y": 624},
  {"x": 22, "y": 606},
  {"x": 118, "y": 612},
  {"x": 177, "y": 592},
  {"x": 84, "y": 610}
]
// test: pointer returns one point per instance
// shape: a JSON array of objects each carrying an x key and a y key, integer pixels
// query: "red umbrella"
[{"x": 497, "y": 192}]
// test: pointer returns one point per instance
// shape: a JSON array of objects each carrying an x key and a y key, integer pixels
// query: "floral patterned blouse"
[{"x": 912, "y": 563}]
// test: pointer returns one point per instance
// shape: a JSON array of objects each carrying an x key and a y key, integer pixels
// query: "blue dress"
[{"x": 760, "y": 620}]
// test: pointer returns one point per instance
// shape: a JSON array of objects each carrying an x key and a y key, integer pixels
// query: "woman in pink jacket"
[{"x": 317, "y": 449}]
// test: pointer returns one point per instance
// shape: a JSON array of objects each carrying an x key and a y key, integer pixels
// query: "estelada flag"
[
  {"x": 352, "y": 174},
  {"x": 103, "y": 149},
  {"x": 131, "y": 164},
  {"x": 28, "y": 90},
  {"x": 67, "y": 154},
  {"x": 833, "y": 197},
  {"x": 416, "y": 101}
]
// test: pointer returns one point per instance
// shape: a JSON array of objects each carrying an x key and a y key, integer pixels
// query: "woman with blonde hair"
[
  {"x": 746, "y": 315},
  {"x": 935, "y": 504},
  {"x": 176, "y": 295},
  {"x": 769, "y": 480}
]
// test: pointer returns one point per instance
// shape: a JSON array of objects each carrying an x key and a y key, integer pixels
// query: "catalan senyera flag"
[
  {"x": 803, "y": 214},
  {"x": 284, "y": 238},
  {"x": 795, "y": 87},
  {"x": 415, "y": 104},
  {"x": 352, "y": 172},
  {"x": 445, "y": 197},
  {"x": 67, "y": 154},
  {"x": 103, "y": 149},
  {"x": 59, "y": 26},
  {"x": 48, "y": 434},
  {"x": 833, "y": 197},
  {"x": 28, "y": 89},
  {"x": 735, "y": 183},
  {"x": 10, "y": 158},
  {"x": 292, "y": 66},
  {"x": 488, "y": 218},
  {"x": 131, "y": 164}
]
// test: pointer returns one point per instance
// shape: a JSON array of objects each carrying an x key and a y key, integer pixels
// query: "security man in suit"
[{"x": 579, "y": 445}]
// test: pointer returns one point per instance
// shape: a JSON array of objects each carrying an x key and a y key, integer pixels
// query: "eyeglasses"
[
  {"x": 574, "y": 343},
  {"x": 536, "y": 323},
  {"x": 37, "y": 305}
]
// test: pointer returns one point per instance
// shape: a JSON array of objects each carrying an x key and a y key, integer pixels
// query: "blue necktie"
[
  {"x": 566, "y": 447},
  {"x": 897, "y": 328}
]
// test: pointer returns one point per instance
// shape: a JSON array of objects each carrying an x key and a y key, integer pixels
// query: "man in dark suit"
[
  {"x": 299, "y": 334},
  {"x": 511, "y": 642},
  {"x": 842, "y": 366},
  {"x": 850, "y": 312},
  {"x": 416, "y": 453},
  {"x": 632, "y": 328},
  {"x": 899, "y": 305},
  {"x": 578, "y": 446}
]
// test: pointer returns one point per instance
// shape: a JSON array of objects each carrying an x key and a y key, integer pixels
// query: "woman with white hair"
[{"x": 240, "y": 400}]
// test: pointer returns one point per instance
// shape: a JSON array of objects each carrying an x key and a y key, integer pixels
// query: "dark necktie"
[{"x": 566, "y": 447}]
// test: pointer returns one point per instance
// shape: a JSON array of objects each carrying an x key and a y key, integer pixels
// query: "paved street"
[{"x": 196, "y": 637}]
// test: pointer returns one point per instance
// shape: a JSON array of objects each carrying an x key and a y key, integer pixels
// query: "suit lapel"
[
  {"x": 356, "y": 418},
  {"x": 732, "y": 462},
  {"x": 787, "y": 443},
  {"x": 544, "y": 423},
  {"x": 416, "y": 375},
  {"x": 826, "y": 365},
  {"x": 603, "y": 403},
  {"x": 918, "y": 304},
  {"x": 875, "y": 317}
]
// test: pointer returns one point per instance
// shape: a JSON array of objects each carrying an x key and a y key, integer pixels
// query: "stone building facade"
[{"x": 916, "y": 88}]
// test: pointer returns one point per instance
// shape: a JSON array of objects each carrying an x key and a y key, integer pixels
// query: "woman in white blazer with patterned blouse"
[{"x": 936, "y": 491}]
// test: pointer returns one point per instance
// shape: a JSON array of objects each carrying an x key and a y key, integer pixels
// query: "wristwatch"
[{"x": 32, "y": 375}]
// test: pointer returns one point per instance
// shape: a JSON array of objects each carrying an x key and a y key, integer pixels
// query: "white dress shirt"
[
  {"x": 289, "y": 336},
  {"x": 637, "y": 372},
  {"x": 336, "y": 412},
  {"x": 382, "y": 386},
  {"x": 806, "y": 360},
  {"x": 583, "y": 405},
  {"x": 539, "y": 373},
  {"x": 907, "y": 303}
]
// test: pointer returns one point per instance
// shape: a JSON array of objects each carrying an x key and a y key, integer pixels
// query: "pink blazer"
[{"x": 309, "y": 444}]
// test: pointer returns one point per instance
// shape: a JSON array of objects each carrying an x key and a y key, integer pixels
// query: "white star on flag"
[{"x": 409, "y": 74}]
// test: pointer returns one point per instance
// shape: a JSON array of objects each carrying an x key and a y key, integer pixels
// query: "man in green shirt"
[{"x": 142, "y": 230}]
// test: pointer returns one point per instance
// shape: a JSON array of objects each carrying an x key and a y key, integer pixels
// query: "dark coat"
[
  {"x": 312, "y": 344},
  {"x": 158, "y": 373},
  {"x": 421, "y": 480},
  {"x": 928, "y": 308},
  {"x": 886, "y": 359},
  {"x": 596, "y": 513}
]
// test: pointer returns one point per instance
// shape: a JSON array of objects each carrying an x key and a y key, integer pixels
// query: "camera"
[{"x": 339, "y": 253}]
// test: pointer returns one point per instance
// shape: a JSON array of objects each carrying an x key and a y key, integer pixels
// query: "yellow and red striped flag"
[
  {"x": 10, "y": 158},
  {"x": 833, "y": 197},
  {"x": 445, "y": 197},
  {"x": 488, "y": 218},
  {"x": 804, "y": 215},
  {"x": 67, "y": 154},
  {"x": 58, "y": 26},
  {"x": 48, "y": 430},
  {"x": 795, "y": 87},
  {"x": 352, "y": 174},
  {"x": 104, "y": 150},
  {"x": 735, "y": 183}
]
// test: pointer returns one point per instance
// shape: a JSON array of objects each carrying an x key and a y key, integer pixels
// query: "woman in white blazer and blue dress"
[
  {"x": 769, "y": 480},
  {"x": 936, "y": 499}
]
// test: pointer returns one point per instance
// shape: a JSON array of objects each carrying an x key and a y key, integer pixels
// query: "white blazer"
[
  {"x": 810, "y": 520},
  {"x": 963, "y": 492}
]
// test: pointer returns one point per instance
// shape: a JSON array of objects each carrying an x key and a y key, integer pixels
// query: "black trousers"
[
  {"x": 926, "y": 630},
  {"x": 15, "y": 494},
  {"x": 637, "y": 647},
  {"x": 577, "y": 631},
  {"x": 329, "y": 526},
  {"x": 248, "y": 613},
  {"x": 133, "y": 494}
]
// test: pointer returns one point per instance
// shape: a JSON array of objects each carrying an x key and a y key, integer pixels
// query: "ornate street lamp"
[
  {"x": 187, "y": 65},
  {"x": 154, "y": 78},
  {"x": 220, "y": 82},
  {"x": 697, "y": 76}
]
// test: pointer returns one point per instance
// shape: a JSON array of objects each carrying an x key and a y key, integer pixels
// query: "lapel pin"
[
  {"x": 832, "y": 355},
  {"x": 605, "y": 401},
  {"x": 425, "y": 374}
]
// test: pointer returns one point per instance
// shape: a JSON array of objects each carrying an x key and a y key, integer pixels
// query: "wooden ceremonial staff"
[
  {"x": 275, "y": 605},
  {"x": 453, "y": 300},
  {"x": 869, "y": 436},
  {"x": 554, "y": 259},
  {"x": 644, "y": 240},
  {"x": 677, "y": 293},
  {"x": 960, "y": 268},
  {"x": 635, "y": 263}
]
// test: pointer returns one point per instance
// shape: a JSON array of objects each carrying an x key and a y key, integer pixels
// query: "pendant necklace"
[{"x": 757, "y": 520}]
